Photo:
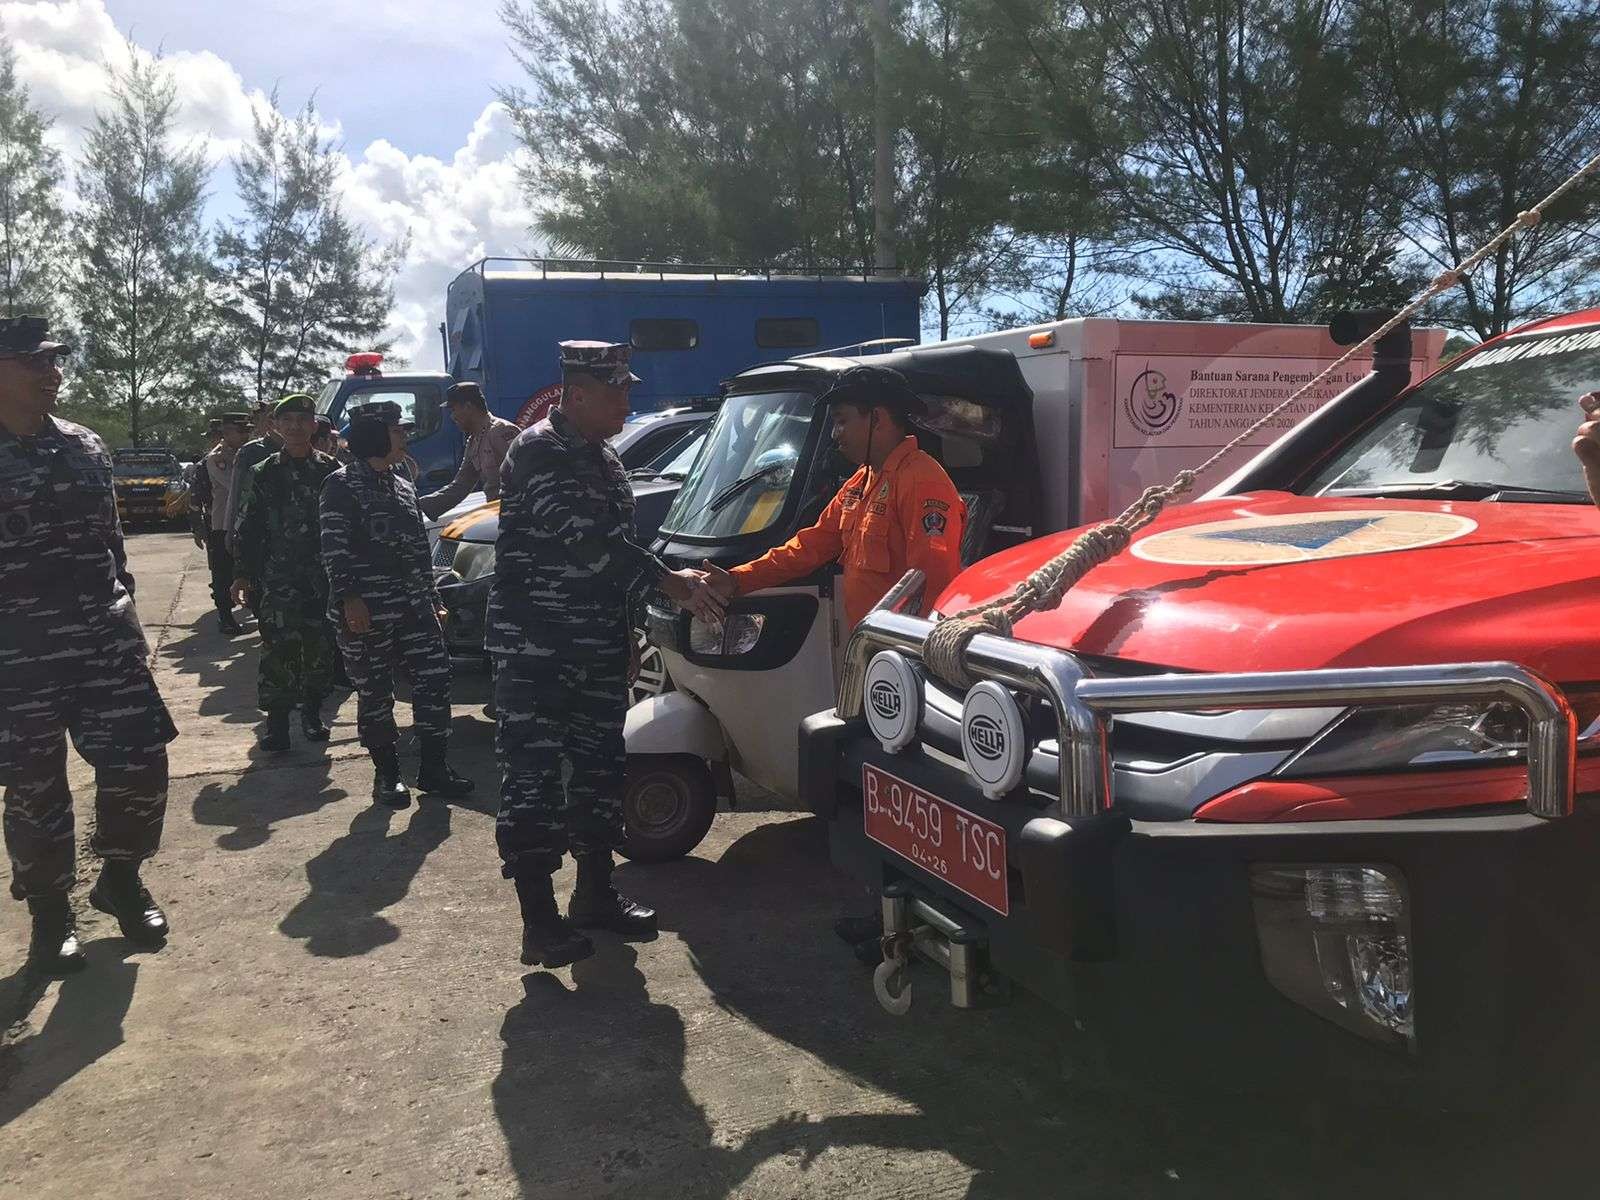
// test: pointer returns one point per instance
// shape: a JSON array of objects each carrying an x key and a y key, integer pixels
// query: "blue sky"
[
  {"x": 417, "y": 74},
  {"x": 405, "y": 88}
]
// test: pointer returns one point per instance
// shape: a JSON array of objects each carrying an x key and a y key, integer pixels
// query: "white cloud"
[{"x": 452, "y": 212}]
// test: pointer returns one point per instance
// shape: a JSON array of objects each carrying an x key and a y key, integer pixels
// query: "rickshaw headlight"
[{"x": 738, "y": 633}]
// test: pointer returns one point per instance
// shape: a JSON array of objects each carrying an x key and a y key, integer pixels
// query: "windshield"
[
  {"x": 674, "y": 462},
  {"x": 144, "y": 464},
  {"x": 325, "y": 400},
  {"x": 1505, "y": 416},
  {"x": 740, "y": 478}
]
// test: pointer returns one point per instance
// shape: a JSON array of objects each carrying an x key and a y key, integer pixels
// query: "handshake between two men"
[{"x": 704, "y": 592}]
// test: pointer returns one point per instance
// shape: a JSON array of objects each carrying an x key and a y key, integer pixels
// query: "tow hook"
[
  {"x": 889, "y": 980},
  {"x": 937, "y": 934}
]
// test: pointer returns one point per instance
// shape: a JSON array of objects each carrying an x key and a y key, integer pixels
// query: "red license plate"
[{"x": 959, "y": 847}]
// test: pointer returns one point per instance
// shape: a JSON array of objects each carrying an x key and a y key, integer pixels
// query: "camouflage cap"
[
  {"x": 297, "y": 403},
  {"x": 606, "y": 361},
  {"x": 466, "y": 392},
  {"x": 240, "y": 420},
  {"x": 28, "y": 335},
  {"x": 324, "y": 424},
  {"x": 386, "y": 411}
]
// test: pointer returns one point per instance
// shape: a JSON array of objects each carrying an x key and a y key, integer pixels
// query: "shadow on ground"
[
  {"x": 988, "y": 1089},
  {"x": 84, "y": 1025},
  {"x": 361, "y": 873}
]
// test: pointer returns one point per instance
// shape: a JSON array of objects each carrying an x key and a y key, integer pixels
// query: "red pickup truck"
[{"x": 1302, "y": 785}]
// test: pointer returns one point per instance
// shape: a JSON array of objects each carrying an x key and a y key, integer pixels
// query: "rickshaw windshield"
[{"x": 742, "y": 476}]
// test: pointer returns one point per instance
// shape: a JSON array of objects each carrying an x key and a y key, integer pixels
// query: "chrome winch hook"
[{"x": 896, "y": 1001}]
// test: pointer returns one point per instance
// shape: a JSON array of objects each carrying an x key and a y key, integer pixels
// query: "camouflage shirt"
[
  {"x": 64, "y": 582},
  {"x": 278, "y": 524},
  {"x": 374, "y": 544},
  {"x": 566, "y": 564}
]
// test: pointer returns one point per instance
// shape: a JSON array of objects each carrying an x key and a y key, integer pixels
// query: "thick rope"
[{"x": 945, "y": 650}]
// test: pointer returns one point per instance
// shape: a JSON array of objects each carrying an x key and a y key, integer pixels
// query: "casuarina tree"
[
  {"x": 301, "y": 283},
  {"x": 142, "y": 288},
  {"x": 32, "y": 226}
]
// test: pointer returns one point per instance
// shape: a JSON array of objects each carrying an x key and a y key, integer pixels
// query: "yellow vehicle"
[{"x": 150, "y": 485}]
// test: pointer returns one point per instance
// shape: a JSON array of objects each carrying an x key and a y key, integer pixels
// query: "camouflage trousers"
[
  {"x": 120, "y": 725},
  {"x": 414, "y": 639},
  {"x": 553, "y": 715},
  {"x": 221, "y": 564},
  {"x": 296, "y": 652}
]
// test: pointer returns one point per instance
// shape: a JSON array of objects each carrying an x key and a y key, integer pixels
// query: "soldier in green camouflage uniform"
[{"x": 278, "y": 564}]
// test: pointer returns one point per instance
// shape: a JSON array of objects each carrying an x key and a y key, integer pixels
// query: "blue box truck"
[{"x": 691, "y": 327}]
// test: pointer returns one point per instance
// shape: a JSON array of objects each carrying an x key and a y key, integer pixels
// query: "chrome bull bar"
[{"x": 1084, "y": 707}]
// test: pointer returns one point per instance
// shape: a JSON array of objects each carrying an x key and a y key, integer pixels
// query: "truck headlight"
[
  {"x": 737, "y": 633},
  {"x": 1413, "y": 735},
  {"x": 1337, "y": 939},
  {"x": 474, "y": 561}
]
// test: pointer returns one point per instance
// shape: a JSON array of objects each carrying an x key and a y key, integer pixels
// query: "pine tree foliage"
[
  {"x": 302, "y": 285},
  {"x": 142, "y": 286},
  {"x": 32, "y": 224}
]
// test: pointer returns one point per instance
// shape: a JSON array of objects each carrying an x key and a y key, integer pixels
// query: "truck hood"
[
  {"x": 1369, "y": 583},
  {"x": 482, "y": 523}
]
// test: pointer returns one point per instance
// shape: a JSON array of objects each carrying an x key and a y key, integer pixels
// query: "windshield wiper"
[
  {"x": 721, "y": 499},
  {"x": 651, "y": 473},
  {"x": 1464, "y": 489}
]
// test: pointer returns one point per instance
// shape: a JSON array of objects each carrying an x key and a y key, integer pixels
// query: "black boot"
[
  {"x": 119, "y": 893},
  {"x": 53, "y": 949},
  {"x": 547, "y": 940},
  {"x": 596, "y": 904},
  {"x": 386, "y": 786},
  {"x": 276, "y": 739},
  {"x": 311, "y": 720},
  {"x": 226, "y": 623},
  {"x": 434, "y": 776}
]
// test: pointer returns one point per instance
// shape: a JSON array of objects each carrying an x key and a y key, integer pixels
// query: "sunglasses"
[{"x": 38, "y": 360}]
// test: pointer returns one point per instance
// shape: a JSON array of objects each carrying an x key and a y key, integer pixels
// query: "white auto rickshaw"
[{"x": 767, "y": 469}]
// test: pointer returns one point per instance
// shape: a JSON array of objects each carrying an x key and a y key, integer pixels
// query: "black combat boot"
[
  {"x": 53, "y": 949},
  {"x": 434, "y": 776},
  {"x": 226, "y": 624},
  {"x": 386, "y": 786},
  {"x": 311, "y": 720},
  {"x": 596, "y": 904},
  {"x": 119, "y": 893},
  {"x": 547, "y": 940},
  {"x": 276, "y": 739}
]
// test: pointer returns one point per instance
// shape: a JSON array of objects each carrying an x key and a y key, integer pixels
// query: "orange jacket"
[{"x": 877, "y": 528}]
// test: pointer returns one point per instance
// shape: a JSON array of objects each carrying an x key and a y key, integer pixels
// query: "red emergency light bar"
[{"x": 365, "y": 363}]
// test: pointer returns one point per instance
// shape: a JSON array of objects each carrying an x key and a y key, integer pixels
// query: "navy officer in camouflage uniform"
[
  {"x": 277, "y": 566},
  {"x": 73, "y": 660},
  {"x": 566, "y": 569},
  {"x": 386, "y": 609}
]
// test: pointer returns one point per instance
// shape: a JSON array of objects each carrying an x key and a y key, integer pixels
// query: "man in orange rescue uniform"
[{"x": 898, "y": 511}]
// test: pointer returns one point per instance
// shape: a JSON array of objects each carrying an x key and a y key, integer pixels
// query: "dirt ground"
[{"x": 340, "y": 1013}]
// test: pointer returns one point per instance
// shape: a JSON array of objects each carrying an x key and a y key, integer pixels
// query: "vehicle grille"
[
  {"x": 444, "y": 553},
  {"x": 1165, "y": 765}
]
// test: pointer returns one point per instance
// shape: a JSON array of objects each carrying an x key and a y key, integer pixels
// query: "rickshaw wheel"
[{"x": 668, "y": 804}]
